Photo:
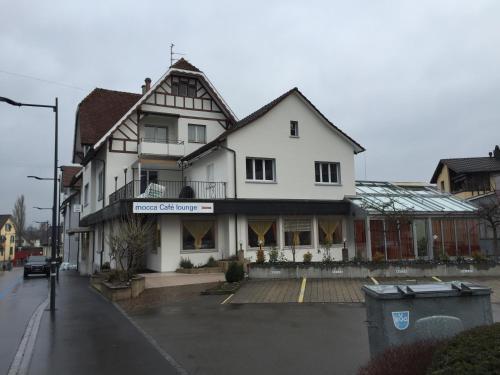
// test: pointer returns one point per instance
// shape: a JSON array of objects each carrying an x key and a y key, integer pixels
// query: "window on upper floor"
[
  {"x": 8, "y": 227},
  {"x": 442, "y": 185},
  {"x": 327, "y": 172},
  {"x": 182, "y": 86},
  {"x": 155, "y": 134},
  {"x": 86, "y": 194},
  {"x": 197, "y": 133},
  {"x": 294, "y": 129},
  {"x": 100, "y": 185},
  {"x": 12, "y": 239},
  {"x": 260, "y": 169},
  {"x": 210, "y": 172}
]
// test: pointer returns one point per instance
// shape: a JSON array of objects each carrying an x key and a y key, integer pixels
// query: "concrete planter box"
[
  {"x": 224, "y": 264},
  {"x": 363, "y": 270},
  {"x": 199, "y": 270},
  {"x": 119, "y": 292},
  {"x": 137, "y": 286}
]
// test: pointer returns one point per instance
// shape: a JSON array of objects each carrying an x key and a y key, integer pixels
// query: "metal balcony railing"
[{"x": 170, "y": 190}]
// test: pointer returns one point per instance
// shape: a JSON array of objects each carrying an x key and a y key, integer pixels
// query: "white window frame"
[
  {"x": 156, "y": 138},
  {"x": 263, "y": 160},
  {"x": 100, "y": 185},
  {"x": 329, "y": 182},
  {"x": 312, "y": 222},
  {"x": 196, "y": 128},
  {"x": 86, "y": 195},
  {"x": 296, "y": 124}
]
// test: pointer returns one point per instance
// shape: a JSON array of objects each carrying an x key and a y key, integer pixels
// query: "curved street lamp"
[{"x": 54, "y": 108}]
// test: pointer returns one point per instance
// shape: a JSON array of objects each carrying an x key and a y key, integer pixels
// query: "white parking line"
[
  {"x": 21, "y": 362},
  {"x": 227, "y": 299},
  {"x": 374, "y": 280}
]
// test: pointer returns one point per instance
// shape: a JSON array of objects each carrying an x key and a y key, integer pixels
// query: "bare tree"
[
  {"x": 489, "y": 213},
  {"x": 129, "y": 241},
  {"x": 19, "y": 219}
]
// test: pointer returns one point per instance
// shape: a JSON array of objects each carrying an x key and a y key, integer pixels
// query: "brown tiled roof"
[
  {"x": 185, "y": 65},
  {"x": 261, "y": 112},
  {"x": 68, "y": 172},
  {"x": 3, "y": 220},
  {"x": 100, "y": 110},
  {"x": 467, "y": 165}
]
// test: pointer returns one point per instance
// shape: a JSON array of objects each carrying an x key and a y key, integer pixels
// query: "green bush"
[
  {"x": 185, "y": 263},
  {"x": 473, "y": 352},
  {"x": 235, "y": 272},
  {"x": 273, "y": 255},
  {"x": 105, "y": 266},
  {"x": 307, "y": 257},
  {"x": 211, "y": 262},
  {"x": 402, "y": 360}
]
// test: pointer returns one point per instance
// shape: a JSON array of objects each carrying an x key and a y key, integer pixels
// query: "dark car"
[{"x": 37, "y": 264}]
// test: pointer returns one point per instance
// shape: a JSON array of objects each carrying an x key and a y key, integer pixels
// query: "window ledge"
[
  {"x": 294, "y": 136},
  {"x": 260, "y": 182},
  {"x": 327, "y": 184},
  {"x": 200, "y": 251}
]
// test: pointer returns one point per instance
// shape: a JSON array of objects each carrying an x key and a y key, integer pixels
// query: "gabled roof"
[
  {"x": 68, "y": 173},
  {"x": 3, "y": 220},
  {"x": 183, "y": 64},
  {"x": 261, "y": 112},
  {"x": 100, "y": 110},
  {"x": 467, "y": 165}
]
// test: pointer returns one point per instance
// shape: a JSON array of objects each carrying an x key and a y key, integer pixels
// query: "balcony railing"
[{"x": 170, "y": 190}]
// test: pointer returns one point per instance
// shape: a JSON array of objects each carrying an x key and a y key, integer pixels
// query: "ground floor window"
[
  {"x": 198, "y": 235},
  {"x": 298, "y": 232},
  {"x": 329, "y": 230},
  {"x": 262, "y": 232}
]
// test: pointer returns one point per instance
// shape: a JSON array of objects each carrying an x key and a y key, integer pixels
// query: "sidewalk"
[{"x": 88, "y": 335}]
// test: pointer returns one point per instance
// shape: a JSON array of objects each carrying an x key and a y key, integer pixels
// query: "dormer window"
[
  {"x": 294, "y": 129},
  {"x": 182, "y": 86}
]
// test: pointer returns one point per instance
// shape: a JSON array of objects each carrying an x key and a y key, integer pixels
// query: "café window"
[
  {"x": 198, "y": 235},
  {"x": 329, "y": 231},
  {"x": 298, "y": 232},
  {"x": 262, "y": 232}
]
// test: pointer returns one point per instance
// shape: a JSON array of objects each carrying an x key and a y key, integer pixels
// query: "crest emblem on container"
[{"x": 401, "y": 319}]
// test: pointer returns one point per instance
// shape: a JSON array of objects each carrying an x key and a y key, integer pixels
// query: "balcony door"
[
  {"x": 155, "y": 134},
  {"x": 148, "y": 177}
]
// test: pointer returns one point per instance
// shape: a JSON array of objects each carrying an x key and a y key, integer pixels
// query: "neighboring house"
[
  {"x": 7, "y": 239},
  {"x": 412, "y": 220},
  {"x": 468, "y": 177},
  {"x": 213, "y": 184},
  {"x": 70, "y": 211}
]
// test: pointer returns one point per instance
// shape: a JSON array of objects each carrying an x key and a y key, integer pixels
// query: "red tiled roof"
[
  {"x": 100, "y": 110},
  {"x": 68, "y": 172},
  {"x": 185, "y": 65}
]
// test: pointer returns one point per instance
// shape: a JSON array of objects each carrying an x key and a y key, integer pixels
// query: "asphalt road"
[
  {"x": 18, "y": 300},
  {"x": 206, "y": 337}
]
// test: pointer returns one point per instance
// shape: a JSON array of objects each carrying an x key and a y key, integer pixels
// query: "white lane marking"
[
  {"x": 227, "y": 299},
  {"x": 374, "y": 280},
  {"x": 21, "y": 362},
  {"x": 437, "y": 279}
]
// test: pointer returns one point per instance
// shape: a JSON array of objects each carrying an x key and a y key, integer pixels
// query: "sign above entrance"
[{"x": 172, "y": 208}]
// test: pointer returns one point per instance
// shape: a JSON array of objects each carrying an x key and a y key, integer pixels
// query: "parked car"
[{"x": 37, "y": 264}]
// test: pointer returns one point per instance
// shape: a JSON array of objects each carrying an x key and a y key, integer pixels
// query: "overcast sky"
[{"x": 412, "y": 82}]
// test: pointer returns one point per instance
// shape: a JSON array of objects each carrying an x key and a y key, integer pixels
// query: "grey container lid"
[{"x": 444, "y": 289}]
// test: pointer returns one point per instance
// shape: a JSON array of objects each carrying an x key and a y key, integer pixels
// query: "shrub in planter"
[
  {"x": 185, "y": 263},
  {"x": 411, "y": 359},
  {"x": 273, "y": 255},
  {"x": 261, "y": 257},
  {"x": 473, "y": 352},
  {"x": 211, "y": 262},
  {"x": 307, "y": 257},
  {"x": 478, "y": 256},
  {"x": 235, "y": 272},
  {"x": 378, "y": 257},
  {"x": 105, "y": 266}
]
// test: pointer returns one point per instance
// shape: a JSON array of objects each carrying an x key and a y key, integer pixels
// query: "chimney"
[
  {"x": 143, "y": 87},
  {"x": 496, "y": 152},
  {"x": 148, "y": 84}
]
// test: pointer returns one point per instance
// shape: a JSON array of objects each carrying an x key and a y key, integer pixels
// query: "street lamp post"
[{"x": 54, "y": 108}]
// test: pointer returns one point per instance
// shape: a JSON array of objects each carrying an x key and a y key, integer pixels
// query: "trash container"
[{"x": 401, "y": 314}]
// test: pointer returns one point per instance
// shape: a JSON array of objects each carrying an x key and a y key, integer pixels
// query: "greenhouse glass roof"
[{"x": 380, "y": 196}]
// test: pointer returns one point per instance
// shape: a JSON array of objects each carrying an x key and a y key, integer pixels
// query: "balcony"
[
  {"x": 170, "y": 190},
  {"x": 168, "y": 147}
]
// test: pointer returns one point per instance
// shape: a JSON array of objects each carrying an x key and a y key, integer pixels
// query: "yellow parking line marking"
[
  {"x": 437, "y": 279},
  {"x": 374, "y": 280},
  {"x": 302, "y": 290},
  {"x": 227, "y": 299}
]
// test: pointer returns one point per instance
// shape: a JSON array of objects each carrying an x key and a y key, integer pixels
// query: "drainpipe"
[{"x": 235, "y": 195}]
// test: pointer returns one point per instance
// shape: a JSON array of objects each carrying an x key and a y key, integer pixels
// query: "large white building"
[{"x": 214, "y": 184}]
